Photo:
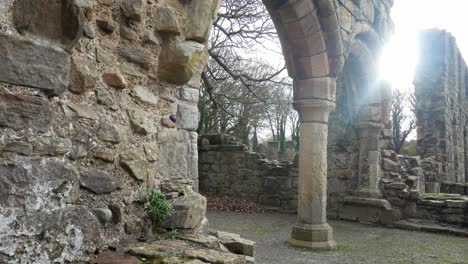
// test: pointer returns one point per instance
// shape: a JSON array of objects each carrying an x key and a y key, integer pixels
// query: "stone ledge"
[{"x": 426, "y": 226}]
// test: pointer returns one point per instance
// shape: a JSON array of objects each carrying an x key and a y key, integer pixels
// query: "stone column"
[
  {"x": 311, "y": 229},
  {"x": 369, "y": 160}
]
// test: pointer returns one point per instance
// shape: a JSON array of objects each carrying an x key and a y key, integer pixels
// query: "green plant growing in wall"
[
  {"x": 156, "y": 206},
  {"x": 172, "y": 234}
]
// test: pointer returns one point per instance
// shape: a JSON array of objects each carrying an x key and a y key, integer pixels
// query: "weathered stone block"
[
  {"x": 28, "y": 63},
  {"x": 141, "y": 121},
  {"x": 390, "y": 165},
  {"x": 190, "y": 210},
  {"x": 98, "y": 181},
  {"x": 57, "y": 21},
  {"x": 145, "y": 95},
  {"x": 81, "y": 78},
  {"x": 52, "y": 146},
  {"x": 34, "y": 179},
  {"x": 166, "y": 21},
  {"x": 114, "y": 79},
  {"x": 20, "y": 147},
  {"x": 133, "y": 9},
  {"x": 236, "y": 244},
  {"x": 138, "y": 56},
  {"x": 187, "y": 117},
  {"x": 178, "y": 64},
  {"x": 135, "y": 165},
  {"x": 201, "y": 15}
]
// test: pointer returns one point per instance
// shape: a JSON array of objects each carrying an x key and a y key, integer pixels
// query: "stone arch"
[
  {"x": 318, "y": 37},
  {"x": 356, "y": 122},
  {"x": 310, "y": 37}
]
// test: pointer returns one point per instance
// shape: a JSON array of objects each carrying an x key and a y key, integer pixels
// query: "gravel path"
[{"x": 357, "y": 243}]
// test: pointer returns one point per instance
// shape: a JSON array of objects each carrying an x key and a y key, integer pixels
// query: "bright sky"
[{"x": 401, "y": 54}]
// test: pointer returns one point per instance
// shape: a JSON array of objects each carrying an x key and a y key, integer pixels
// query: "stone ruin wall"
[
  {"x": 271, "y": 149},
  {"x": 441, "y": 106},
  {"x": 98, "y": 103},
  {"x": 227, "y": 167}
]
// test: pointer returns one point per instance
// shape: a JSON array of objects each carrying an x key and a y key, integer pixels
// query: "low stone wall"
[
  {"x": 405, "y": 185},
  {"x": 452, "y": 187},
  {"x": 229, "y": 168}
]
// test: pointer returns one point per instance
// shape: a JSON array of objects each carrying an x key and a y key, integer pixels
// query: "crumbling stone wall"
[
  {"x": 227, "y": 167},
  {"x": 97, "y": 104},
  {"x": 441, "y": 106},
  {"x": 271, "y": 149}
]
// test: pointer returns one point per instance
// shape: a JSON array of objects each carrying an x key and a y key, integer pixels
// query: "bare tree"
[
  {"x": 242, "y": 94},
  {"x": 402, "y": 118}
]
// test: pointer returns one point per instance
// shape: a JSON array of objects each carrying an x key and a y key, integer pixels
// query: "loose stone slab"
[{"x": 25, "y": 62}]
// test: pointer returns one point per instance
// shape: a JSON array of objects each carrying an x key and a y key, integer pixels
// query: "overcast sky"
[{"x": 410, "y": 16}]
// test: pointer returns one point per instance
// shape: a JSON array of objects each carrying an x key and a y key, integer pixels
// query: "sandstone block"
[
  {"x": 135, "y": 165},
  {"x": 178, "y": 63},
  {"x": 20, "y": 147},
  {"x": 133, "y": 9},
  {"x": 151, "y": 151},
  {"x": 187, "y": 117},
  {"x": 201, "y": 16},
  {"x": 22, "y": 178},
  {"x": 213, "y": 256},
  {"x": 189, "y": 94},
  {"x": 105, "y": 25},
  {"x": 390, "y": 165},
  {"x": 236, "y": 244},
  {"x": 79, "y": 110},
  {"x": 52, "y": 146},
  {"x": 189, "y": 212},
  {"x": 166, "y": 21},
  {"x": 109, "y": 133},
  {"x": 25, "y": 62},
  {"x": 103, "y": 214},
  {"x": 81, "y": 79},
  {"x": 98, "y": 181},
  {"x": 144, "y": 95},
  {"x": 104, "y": 155},
  {"x": 138, "y": 56},
  {"x": 57, "y": 21},
  {"x": 114, "y": 79},
  {"x": 142, "y": 122}
]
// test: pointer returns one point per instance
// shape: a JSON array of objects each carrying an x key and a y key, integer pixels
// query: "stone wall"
[
  {"x": 227, "y": 167},
  {"x": 441, "y": 106},
  {"x": 98, "y": 103},
  {"x": 271, "y": 149},
  {"x": 406, "y": 196}
]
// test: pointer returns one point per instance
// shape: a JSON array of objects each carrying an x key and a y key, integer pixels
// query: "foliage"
[
  {"x": 410, "y": 148},
  {"x": 156, "y": 206},
  {"x": 172, "y": 234}
]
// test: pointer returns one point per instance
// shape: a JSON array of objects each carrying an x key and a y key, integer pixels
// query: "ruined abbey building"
[{"x": 99, "y": 104}]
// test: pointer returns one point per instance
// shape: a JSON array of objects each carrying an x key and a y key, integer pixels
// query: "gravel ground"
[{"x": 357, "y": 243}]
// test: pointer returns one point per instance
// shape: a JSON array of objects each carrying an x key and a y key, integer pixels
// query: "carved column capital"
[{"x": 314, "y": 110}]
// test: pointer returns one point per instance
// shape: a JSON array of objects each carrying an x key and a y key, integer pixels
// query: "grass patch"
[{"x": 344, "y": 248}]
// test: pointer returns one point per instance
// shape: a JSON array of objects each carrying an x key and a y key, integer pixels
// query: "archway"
[{"x": 316, "y": 37}]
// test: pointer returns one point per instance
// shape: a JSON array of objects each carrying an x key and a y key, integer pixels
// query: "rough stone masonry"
[
  {"x": 97, "y": 104},
  {"x": 441, "y": 106}
]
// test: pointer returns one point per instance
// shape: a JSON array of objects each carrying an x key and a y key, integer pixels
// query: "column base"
[{"x": 316, "y": 237}]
